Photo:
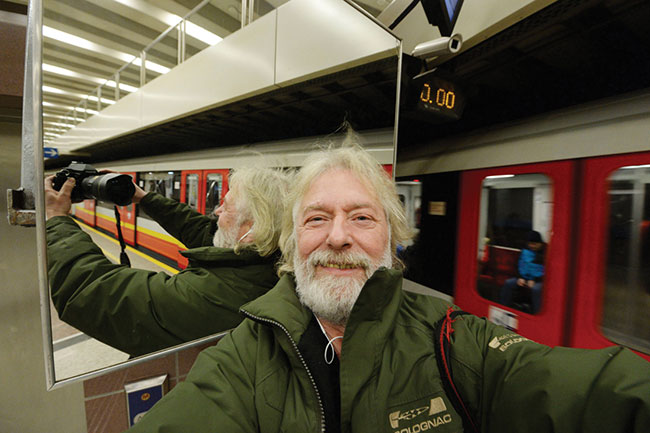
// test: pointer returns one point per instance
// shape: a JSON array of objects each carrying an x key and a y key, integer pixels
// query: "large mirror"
[{"x": 216, "y": 93}]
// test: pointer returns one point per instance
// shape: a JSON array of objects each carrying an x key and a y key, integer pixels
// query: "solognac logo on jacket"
[
  {"x": 435, "y": 407},
  {"x": 503, "y": 342}
]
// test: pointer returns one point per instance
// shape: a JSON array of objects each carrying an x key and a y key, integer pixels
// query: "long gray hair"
[
  {"x": 259, "y": 195},
  {"x": 351, "y": 156}
]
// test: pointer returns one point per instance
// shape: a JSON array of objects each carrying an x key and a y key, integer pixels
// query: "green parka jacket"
[
  {"x": 139, "y": 311},
  {"x": 255, "y": 379}
]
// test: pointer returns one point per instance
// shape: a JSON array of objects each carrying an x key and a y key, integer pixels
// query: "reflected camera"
[{"x": 110, "y": 187}]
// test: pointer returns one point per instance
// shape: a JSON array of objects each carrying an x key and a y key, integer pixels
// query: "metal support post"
[
  {"x": 251, "y": 11},
  {"x": 117, "y": 86},
  {"x": 99, "y": 98},
  {"x": 244, "y": 13},
  {"x": 181, "y": 42},
  {"x": 143, "y": 68}
]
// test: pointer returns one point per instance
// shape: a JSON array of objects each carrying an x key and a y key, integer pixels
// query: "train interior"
[{"x": 545, "y": 131}]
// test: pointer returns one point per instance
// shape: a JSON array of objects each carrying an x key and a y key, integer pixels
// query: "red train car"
[{"x": 581, "y": 180}]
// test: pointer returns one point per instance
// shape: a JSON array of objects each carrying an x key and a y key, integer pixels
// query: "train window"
[
  {"x": 192, "y": 190},
  {"x": 514, "y": 229},
  {"x": 166, "y": 183},
  {"x": 625, "y": 318},
  {"x": 213, "y": 188},
  {"x": 162, "y": 182}
]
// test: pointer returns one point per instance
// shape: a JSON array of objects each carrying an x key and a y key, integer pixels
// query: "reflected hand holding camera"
[{"x": 57, "y": 202}]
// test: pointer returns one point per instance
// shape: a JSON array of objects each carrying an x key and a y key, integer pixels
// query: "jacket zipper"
[{"x": 295, "y": 347}]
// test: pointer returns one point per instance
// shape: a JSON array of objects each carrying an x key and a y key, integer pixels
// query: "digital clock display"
[{"x": 439, "y": 97}]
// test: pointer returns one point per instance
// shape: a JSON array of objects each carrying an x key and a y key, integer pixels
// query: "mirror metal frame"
[{"x": 32, "y": 176}]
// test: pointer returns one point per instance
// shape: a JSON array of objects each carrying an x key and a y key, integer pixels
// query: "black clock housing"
[{"x": 433, "y": 96}]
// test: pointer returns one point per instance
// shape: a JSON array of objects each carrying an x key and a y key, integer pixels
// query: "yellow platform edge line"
[
  {"x": 161, "y": 236},
  {"x": 110, "y": 256},
  {"x": 129, "y": 249}
]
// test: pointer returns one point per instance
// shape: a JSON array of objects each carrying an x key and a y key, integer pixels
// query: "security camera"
[{"x": 438, "y": 47}]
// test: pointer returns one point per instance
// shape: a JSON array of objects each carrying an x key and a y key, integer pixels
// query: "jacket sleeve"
[
  {"x": 129, "y": 309},
  {"x": 217, "y": 396},
  {"x": 514, "y": 384},
  {"x": 179, "y": 220}
]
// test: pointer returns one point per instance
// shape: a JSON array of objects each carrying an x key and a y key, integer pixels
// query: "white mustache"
[{"x": 346, "y": 260}]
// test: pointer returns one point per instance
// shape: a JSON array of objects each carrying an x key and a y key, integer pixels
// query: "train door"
[
  {"x": 191, "y": 188},
  {"x": 203, "y": 190},
  {"x": 612, "y": 293},
  {"x": 513, "y": 247}
]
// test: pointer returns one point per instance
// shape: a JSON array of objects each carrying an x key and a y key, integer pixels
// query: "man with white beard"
[
  {"x": 344, "y": 239},
  {"x": 337, "y": 346},
  {"x": 232, "y": 260}
]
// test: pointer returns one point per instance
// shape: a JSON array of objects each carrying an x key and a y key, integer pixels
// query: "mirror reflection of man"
[
  {"x": 337, "y": 346},
  {"x": 231, "y": 261}
]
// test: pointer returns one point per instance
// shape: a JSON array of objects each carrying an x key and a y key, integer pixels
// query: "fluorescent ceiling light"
[
  {"x": 69, "y": 108},
  {"x": 50, "y": 89},
  {"x": 63, "y": 125},
  {"x": 78, "y": 42},
  {"x": 500, "y": 176},
  {"x": 125, "y": 87},
  {"x": 68, "y": 73},
  {"x": 171, "y": 20},
  {"x": 67, "y": 38},
  {"x": 56, "y": 116},
  {"x": 201, "y": 34},
  {"x": 151, "y": 66},
  {"x": 104, "y": 100}
]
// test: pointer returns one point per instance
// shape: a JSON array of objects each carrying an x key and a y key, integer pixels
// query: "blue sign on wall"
[
  {"x": 142, "y": 395},
  {"x": 50, "y": 152}
]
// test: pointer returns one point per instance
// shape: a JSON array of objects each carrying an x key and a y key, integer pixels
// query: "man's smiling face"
[{"x": 342, "y": 238}]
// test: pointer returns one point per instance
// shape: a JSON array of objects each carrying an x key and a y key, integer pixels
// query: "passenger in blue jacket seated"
[{"x": 531, "y": 273}]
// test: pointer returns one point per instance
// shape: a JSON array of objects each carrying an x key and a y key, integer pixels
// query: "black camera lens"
[{"x": 111, "y": 187}]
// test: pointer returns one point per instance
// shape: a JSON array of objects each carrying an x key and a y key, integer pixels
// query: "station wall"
[{"x": 25, "y": 405}]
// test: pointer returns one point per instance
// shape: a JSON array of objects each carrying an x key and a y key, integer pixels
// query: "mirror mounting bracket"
[{"x": 17, "y": 213}]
